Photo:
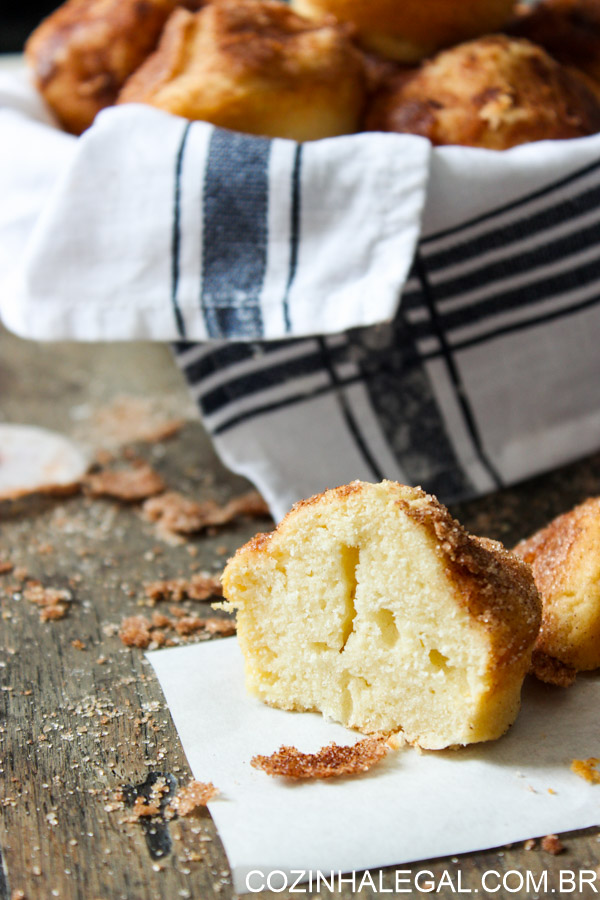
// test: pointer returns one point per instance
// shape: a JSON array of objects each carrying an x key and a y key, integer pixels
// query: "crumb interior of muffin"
[{"x": 352, "y": 609}]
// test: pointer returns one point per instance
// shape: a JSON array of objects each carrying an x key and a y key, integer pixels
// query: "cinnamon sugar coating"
[
  {"x": 565, "y": 560},
  {"x": 551, "y": 670},
  {"x": 328, "y": 762}
]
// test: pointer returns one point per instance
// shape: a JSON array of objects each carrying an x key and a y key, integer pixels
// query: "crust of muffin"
[
  {"x": 565, "y": 560},
  {"x": 83, "y": 52},
  {"x": 257, "y": 67},
  {"x": 409, "y": 30},
  {"x": 569, "y": 30},
  {"x": 493, "y": 592},
  {"x": 495, "y": 92}
]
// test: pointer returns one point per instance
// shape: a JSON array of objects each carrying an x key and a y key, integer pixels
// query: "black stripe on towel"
[
  {"x": 454, "y": 375},
  {"x": 529, "y": 294},
  {"x": 527, "y": 225},
  {"x": 523, "y": 325},
  {"x": 294, "y": 235},
  {"x": 291, "y": 400},
  {"x": 515, "y": 204},
  {"x": 550, "y": 252},
  {"x": 404, "y": 402},
  {"x": 176, "y": 234},
  {"x": 328, "y": 355},
  {"x": 235, "y": 236},
  {"x": 262, "y": 379}
]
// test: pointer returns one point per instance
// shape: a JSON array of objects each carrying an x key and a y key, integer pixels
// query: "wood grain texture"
[{"x": 77, "y": 725}]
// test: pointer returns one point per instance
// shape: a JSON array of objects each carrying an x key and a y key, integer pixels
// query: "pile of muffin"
[{"x": 480, "y": 73}]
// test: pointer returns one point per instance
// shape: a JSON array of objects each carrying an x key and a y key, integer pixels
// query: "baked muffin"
[
  {"x": 568, "y": 29},
  {"x": 83, "y": 52},
  {"x": 372, "y": 605},
  {"x": 257, "y": 67},
  {"x": 409, "y": 30},
  {"x": 495, "y": 92},
  {"x": 565, "y": 559}
]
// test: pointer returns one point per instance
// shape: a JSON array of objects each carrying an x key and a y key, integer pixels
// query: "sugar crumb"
[
  {"x": 330, "y": 761},
  {"x": 552, "y": 844},
  {"x": 192, "y": 797},
  {"x": 587, "y": 769}
]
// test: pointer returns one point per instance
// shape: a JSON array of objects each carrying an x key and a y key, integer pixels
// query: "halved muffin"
[{"x": 372, "y": 605}]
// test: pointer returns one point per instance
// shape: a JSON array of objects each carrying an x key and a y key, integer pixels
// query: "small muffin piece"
[
  {"x": 495, "y": 92},
  {"x": 565, "y": 559},
  {"x": 568, "y": 29},
  {"x": 409, "y": 30},
  {"x": 257, "y": 67},
  {"x": 83, "y": 52},
  {"x": 371, "y": 604}
]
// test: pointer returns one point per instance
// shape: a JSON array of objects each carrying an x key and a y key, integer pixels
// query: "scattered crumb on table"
[
  {"x": 332, "y": 760},
  {"x": 587, "y": 769},
  {"x": 552, "y": 844}
]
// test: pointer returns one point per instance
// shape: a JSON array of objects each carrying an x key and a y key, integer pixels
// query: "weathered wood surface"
[{"x": 78, "y": 724}]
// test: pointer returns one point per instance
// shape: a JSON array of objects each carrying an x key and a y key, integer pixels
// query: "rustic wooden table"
[{"x": 82, "y": 716}]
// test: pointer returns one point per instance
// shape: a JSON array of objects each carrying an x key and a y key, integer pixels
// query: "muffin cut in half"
[{"x": 372, "y": 605}]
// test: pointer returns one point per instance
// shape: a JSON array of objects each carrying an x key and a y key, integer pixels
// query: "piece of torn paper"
[{"x": 411, "y": 806}]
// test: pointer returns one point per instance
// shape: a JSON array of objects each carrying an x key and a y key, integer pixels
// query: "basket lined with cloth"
[{"x": 358, "y": 307}]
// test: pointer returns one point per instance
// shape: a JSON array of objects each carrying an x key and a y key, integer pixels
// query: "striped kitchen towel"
[
  {"x": 488, "y": 373},
  {"x": 360, "y": 307},
  {"x": 158, "y": 228}
]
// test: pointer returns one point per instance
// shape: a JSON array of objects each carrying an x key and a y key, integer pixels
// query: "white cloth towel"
[{"x": 149, "y": 227}]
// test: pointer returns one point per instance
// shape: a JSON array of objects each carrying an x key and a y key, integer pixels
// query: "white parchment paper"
[{"x": 412, "y": 806}]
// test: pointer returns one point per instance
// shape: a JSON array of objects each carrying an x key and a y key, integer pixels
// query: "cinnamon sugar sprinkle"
[
  {"x": 53, "y": 602},
  {"x": 132, "y": 483},
  {"x": 551, "y": 670},
  {"x": 200, "y": 586},
  {"x": 141, "y": 632},
  {"x": 328, "y": 762},
  {"x": 176, "y": 514},
  {"x": 194, "y": 796},
  {"x": 587, "y": 769},
  {"x": 129, "y": 419},
  {"x": 552, "y": 844}
]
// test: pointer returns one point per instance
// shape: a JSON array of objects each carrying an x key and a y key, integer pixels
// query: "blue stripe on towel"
[{"x": 236, "y": 195}]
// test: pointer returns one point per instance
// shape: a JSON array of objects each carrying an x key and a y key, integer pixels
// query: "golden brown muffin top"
[
  {"x": 408, "y": 30},
  {"x": 89, "y": 27},
  {"x": 553, "y": 552},
  {"x": 256, "y": 35},
  {"x": 245, "y": 38},
  {"x": 82, "y": 53},
  {"x": 494, "y": 92},
  {"x": 568, "y": 29}
]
